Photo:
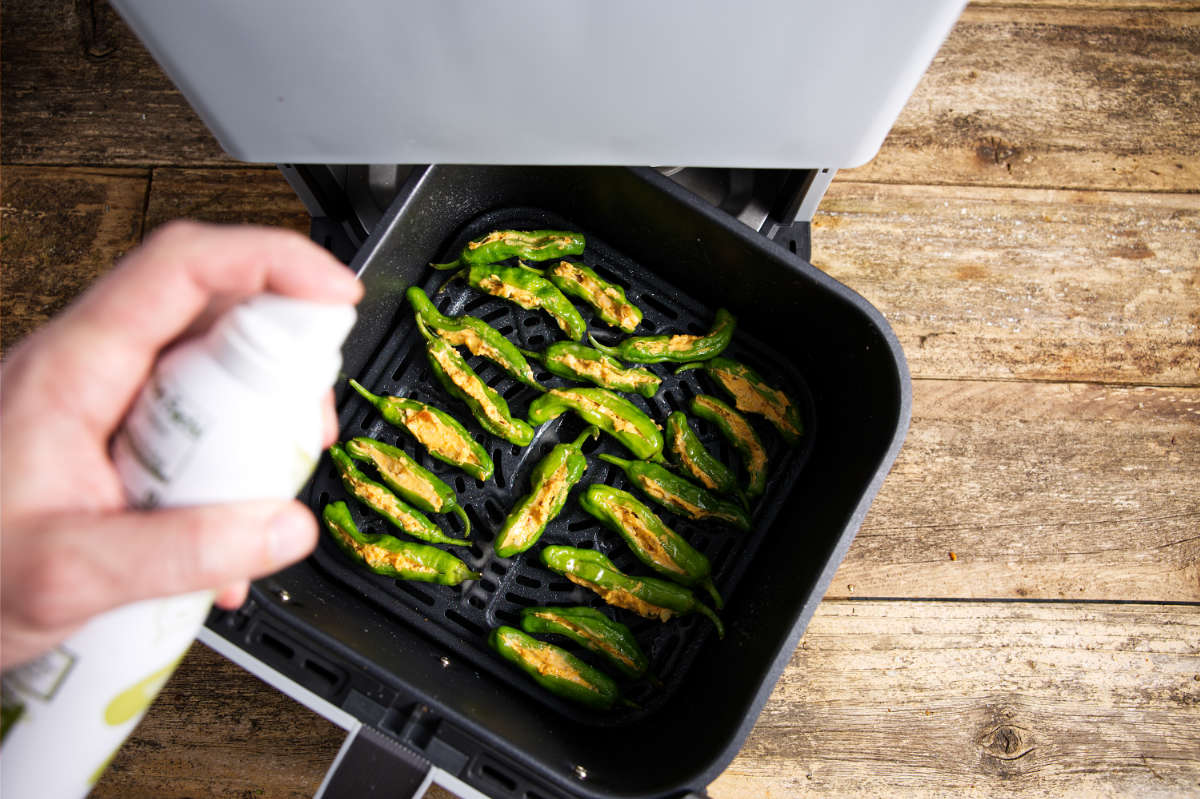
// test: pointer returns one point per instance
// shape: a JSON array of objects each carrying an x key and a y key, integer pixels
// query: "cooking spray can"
[{"x": 232, "y": 415}]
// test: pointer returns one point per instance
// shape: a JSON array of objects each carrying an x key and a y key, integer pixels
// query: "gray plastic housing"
[{"x": 760, "y": 83}]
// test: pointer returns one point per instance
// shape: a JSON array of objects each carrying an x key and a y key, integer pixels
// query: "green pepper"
[
  {"x": 648, "y": 597},
  {"x": 413, "y": 482},
  {"x": 608, "y": 299},
  {"x": 533, "y": 245},
  {"x": 678, "y": 348},
  {"x": 574, "y": 361},
  {"x": 751, "y": 394},
  {"x": 386, "y": 555},
  {"x": 460, "y": 380},
  {"x": 480, "y": 338},
  {"x": 555, "y": 669},
  {"x": 528, "y": 289},
  {"x": 655, "y": 544},
  {"x": 552, "y": 480},
  {"x": 386, "y": 504},
  {"x": 678, "y": 494},
  {"x": 439, "y": 432},
  {"x": 592, "y": 630},
  {"x": 689, "y": 453},
  {"x": 612, "y": 413},
  {"x": 738, "y": 432}
]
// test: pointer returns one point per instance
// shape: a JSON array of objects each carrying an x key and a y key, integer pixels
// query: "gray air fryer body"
[{"x": 763, "y": 101}]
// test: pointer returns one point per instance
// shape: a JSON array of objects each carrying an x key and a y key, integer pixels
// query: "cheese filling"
[
  {"x": 690, "y": 465},
  {"x": 493, "y": 285},
  {"x": 646, "y": 541},
  {"x": 385, "y": 502},
  {"x": 606, "y": 298},
  {"x": 398, "y": 472},
  {"x": 550, "y": 663},
  {"x": 655, "y": 489},
  {"x": 538, "y": 511},
  {"x": 585, "y": 403},
  {"x": 473, "y": 342},
  {"x": 596, "y": 641},
  {"x": 620, "y": 598},
  {"x": 440, "y": 438},
  {"x": 604, "y": 373},
  {"x": 377, "y": 557},
  {"x": 473, "y": 387},
  {"x": 753, "y": 399}
]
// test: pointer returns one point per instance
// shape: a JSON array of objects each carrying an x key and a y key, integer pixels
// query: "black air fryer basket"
[{"x": 411, "y": 662}]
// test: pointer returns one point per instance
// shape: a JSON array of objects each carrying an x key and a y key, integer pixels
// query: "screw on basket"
[
  {"x": 445, "y": 662},
  {"x": 283, "y": 595},
  {"x": 581, "y": 772}
]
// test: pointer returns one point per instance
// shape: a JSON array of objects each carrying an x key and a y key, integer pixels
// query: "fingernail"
[{"x": 292, "y": 534}]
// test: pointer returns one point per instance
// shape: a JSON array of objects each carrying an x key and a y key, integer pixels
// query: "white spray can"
[{"x": 232, "y": 415}]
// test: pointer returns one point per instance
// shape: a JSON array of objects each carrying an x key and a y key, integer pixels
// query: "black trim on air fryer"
[{"x": 845, "y": 341}]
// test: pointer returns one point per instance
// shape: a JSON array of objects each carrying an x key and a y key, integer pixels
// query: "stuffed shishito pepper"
[
  {"x": 677, "y": 494},
  {"x": 680, "y": 348},
  {"x": 555, "y": 669},
  {"x": 751, "y": 394},
  {"x": 592, "y": 630},
  {"x": 611, "y": 412},
  {"x": 532, "y": 245},
  {"x": 552, "y": 480},
  {"x": 461, "y": 381},
  {"x": 391, "y": 557},
  {"x": 654, "y": 544},
  {"x": 480, "y": 338},
  {"x": 648, "y": 597},
  {"x": 575, "y": 361},
  {"x": 414, "y": 483},
  {"x": 440, "y": 433}
]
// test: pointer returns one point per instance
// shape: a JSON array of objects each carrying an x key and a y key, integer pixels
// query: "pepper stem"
[
  {"x": 705, "y": 610},
  {"x": 540, "y": 357},
  {"x": 693, "y": 365},
  {"x": 424, "y": 330},
  {"x": 374, "y": 399},
  {"x": 615, "y": 461},
  {"x": 466, "y": 520},
  {"x": 712, "y": 591},
  {"x": 610, "y": 351},
  {"x": 457, "y": 262},
  {"x": 526, "y": 266},
  {"x": 449, "y": 280},
  {"x": 591, "y": 432}
]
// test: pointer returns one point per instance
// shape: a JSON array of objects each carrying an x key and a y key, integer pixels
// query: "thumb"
[{"x": 115, "y": 559}]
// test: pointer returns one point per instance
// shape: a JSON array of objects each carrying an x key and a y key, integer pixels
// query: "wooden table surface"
[{"x": 1020, "y": 613}]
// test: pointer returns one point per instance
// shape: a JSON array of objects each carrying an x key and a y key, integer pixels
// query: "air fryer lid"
[{"x": 762, "y": 83}]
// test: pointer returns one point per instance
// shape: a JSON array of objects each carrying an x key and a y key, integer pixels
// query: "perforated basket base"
[{"x": 459, "y": 618}]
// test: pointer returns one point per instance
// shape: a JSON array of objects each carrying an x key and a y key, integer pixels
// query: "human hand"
[{"x": 72, "y": 548}]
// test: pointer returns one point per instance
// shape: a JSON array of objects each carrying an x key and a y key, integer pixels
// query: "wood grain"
[
  {"x": 1057, "y": 98},
  {"x": 1034, "y": 284},
  {"x": 216, "y": 731},
  {"x": 1054, "y": 491},
  {"x": 80, "y": 88},
  {"x": 226, "y": 196},
  {"x": 881, "y": 698},
  {"x": 62, "y": 229},
  {"x": 936, "y": 699}
]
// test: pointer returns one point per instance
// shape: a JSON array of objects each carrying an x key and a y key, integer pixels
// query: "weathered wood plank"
[
  {"x": 79, "y": 88},
  {"x": 1058, "y": 98},
  {"x": 1040, "y": 490},
  {"x": 920, "y": 698},
  {"x": 1024, "y": 283},
  {"x": 216, "y": 731},
  {"x": 934, "y": 699},
  {"x": 62, "y": 229},
  {"x": 227, "y": 196}
]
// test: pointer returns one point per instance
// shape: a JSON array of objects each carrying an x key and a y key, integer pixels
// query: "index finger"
[{"x": 102, "y": 348}]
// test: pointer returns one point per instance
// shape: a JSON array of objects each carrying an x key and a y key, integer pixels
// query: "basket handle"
[{"x": 372, "y": 764}]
